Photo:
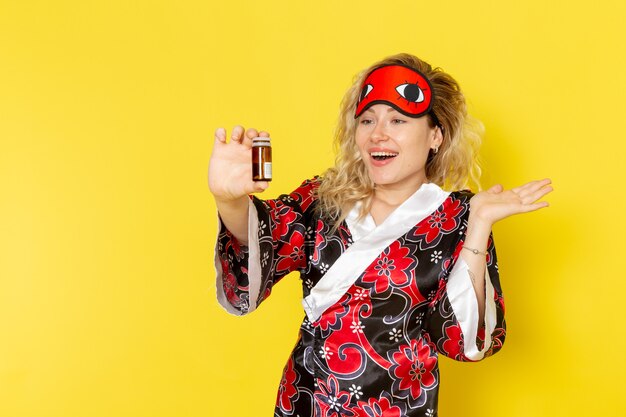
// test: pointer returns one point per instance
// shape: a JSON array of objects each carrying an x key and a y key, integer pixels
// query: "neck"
[{"x": 394, "y": 196}]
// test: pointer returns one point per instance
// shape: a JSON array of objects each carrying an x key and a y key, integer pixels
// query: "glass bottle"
[{"x": 261, "y": 159}]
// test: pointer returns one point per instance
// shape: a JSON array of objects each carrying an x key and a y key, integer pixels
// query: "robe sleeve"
[
  {"x": 453, "y": 320},
  {"x": 276, "y": 238}
]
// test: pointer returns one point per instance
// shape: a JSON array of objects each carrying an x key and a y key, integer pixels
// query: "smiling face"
[{"x": 395, "y": 147}]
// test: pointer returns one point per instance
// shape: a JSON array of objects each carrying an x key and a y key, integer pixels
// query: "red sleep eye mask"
[{"x": 403, "y": 88}]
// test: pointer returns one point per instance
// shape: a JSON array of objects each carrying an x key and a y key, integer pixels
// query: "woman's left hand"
[{"x": 497, "y": 203}]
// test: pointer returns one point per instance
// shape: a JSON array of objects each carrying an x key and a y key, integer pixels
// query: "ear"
[{"x": 437, "y": 138}]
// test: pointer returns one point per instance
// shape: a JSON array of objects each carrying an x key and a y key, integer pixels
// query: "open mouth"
[{"x": 382, "y": 156}]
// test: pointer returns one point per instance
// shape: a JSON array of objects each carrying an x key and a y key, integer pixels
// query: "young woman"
[{"x": 394, "y": 269}]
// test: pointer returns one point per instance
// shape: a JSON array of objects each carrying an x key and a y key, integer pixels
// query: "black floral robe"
[{"x": 381, "y": 302}]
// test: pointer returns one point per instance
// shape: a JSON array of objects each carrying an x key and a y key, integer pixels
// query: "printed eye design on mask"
[
  {"x": 365, "y": 91},
  {"x": 402, "y": 88},
  {"x": 411, "y": 92}
]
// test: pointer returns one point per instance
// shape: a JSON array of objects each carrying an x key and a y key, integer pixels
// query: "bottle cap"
[{"x": 261, "y": 141}]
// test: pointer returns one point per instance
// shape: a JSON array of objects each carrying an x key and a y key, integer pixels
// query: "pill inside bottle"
[{"x": 261, "y": 159}]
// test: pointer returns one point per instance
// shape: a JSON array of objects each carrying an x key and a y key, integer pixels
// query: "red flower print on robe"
[
  {"x": 291, "y": 254},
  {"x": 414, "y": 371},
  {"x": 230, "y": 287},
  {"x": 287, "y": 391},
  {"x": 453, "y": 344},
  {"x": 331, "y": 318},
  {"x": 381, "y": 407},
  {"x": 284, "y": 216},
  {"x": 394, "y": 266},
  {"x": 443, "y": 221},
  {"x": 331, "y": 401},
  {"x": 320, "y": 242}
]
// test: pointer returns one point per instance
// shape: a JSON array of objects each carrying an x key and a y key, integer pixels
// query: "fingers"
[
  {"x": 534, "y": 191},
  {"x": 220, "y": 134},
  {"x": 535, "y": 206},
  {"x": 496, "y": 189},
  {"x": 250, "y": 134},
  {"x": 253, "y": 133},
  {"x": 536, "y": 195},
  {"x": 260, "y": 186},
  {"x": 531, "y": 186},
  {"x": 236, "y": 135},
  {"x": 536, "y": 185},
  {"x": 240, "y": 135}
]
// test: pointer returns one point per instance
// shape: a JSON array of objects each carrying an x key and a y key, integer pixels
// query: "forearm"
[
  {"x": 234, "y": 214},
  {"x": 477, "y": 237}
]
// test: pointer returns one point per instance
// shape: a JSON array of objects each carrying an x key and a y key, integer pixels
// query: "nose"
[{"x": 379, "y": 134}]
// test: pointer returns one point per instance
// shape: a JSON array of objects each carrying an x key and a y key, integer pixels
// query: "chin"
[
  {"x": 383, "y": 181},
  {"x": 379, "y": 179}
]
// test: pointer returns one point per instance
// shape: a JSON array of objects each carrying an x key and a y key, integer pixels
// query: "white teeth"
[{"x": 383, "y": 154}]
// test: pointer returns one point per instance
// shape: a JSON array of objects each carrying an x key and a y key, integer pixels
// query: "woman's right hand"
[{"x": 230, "y": 166}]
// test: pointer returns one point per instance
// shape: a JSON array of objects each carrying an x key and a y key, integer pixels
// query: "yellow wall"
[{"x": 107, "y": 108}]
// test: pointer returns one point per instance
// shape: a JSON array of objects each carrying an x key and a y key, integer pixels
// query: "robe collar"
[{"x": 369, "y": 241}]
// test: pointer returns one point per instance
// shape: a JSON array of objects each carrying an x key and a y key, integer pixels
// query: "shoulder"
[
  {"x": 458, "y": 202},
  {"x": 462, "y": 195},
  {"x": 304, "y": 195},
  {"x": 309, "y": 185}
]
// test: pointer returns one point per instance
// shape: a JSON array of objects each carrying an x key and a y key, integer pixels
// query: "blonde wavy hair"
[{"x": 454, "y": 167}]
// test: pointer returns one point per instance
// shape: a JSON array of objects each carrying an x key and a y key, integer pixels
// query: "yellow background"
[{"x": 107, "y": 113}]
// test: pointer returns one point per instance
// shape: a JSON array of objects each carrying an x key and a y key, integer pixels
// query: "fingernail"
[{"x": 220, "y": 134}]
